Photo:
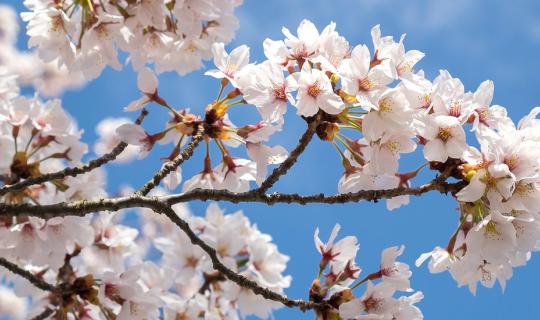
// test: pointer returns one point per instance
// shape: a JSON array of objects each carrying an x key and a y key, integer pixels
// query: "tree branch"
[
  {"x": 174, "y": 164},
  {"x": 163, "y": 205},
  {"x": 36, "y": 281},
  {"x": 230, "y": 274},
  {"x": 44, "y": 315},
  {"x": 73, "y": 171},
  {"x": 276, "y": 197},
  {"x": 83, "y": 207},
  {"x": 293, "y": 157}
]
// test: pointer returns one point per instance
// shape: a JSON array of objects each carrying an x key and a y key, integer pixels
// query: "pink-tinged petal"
[
  {"x": 350, "y": 86},
  {"x": 409, "y": 60},
  {"x": 306, "y": 105},
  {"x": 361, "y": 58},
  {"x": 396, "y": 202},
  {"x": 277, "y": 155},
  {"x": 372, "y": 126},
  {"x": 422, "y": 258},
  {"x": 7, "y": 150},
  {"x": 435, "y": 150},
  {"x": 220, "y": 56},
  {"x": 351, "y": 309},
  {"x": 173, "y": 179},
  {"x": 389, "y": 255},
  {"x": 484, "y": 93},
  {"x": 334, "y": 233},
  {"x": 376, "y": 35},
  {"x": 318, "y": 243},
  {"x": 263, "y": 156},
  {"x": 505, "y": 187},
  {"x": 131, "y": 133},
  {"x": 215, "y": 73},
  {"x": 147, "y": 81},
  {"x": 239, "y": 57},
  {"x": 406, "y": 145},
  {"x": 137, "y": 104},
  {"x": 330, "y": 102},
  {"x": 307, "y": 31},
  {"x": 275, "y": 50},
  {"x": 365, "y": 103},
  {"x": 456, "y": 147},
  {"x": 474, "y": 191}
]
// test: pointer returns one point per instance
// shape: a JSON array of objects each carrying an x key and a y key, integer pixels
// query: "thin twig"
[
  {"x": 293, "y": 157},
  {"x": 36, "y": 281},
  {"x": 72, "y": 171},
  {"x": 44, "y": 315},
  {"x": 172, "y": 165}
]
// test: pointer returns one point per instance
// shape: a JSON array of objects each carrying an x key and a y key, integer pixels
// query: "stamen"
[
  {"x": 314, "y": 89},
  {"x": 444, "y": 134}
]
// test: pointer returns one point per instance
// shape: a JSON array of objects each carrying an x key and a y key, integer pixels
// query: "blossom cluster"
[
  {"x": 373, "y": 106},
  {"x": 46, "y": 77},
  {"x": 113, "y": 275},
  {"x": 379, "y": 300},
  {"x": 108, "y": 264},
  {"x": 499, "y": 225},
  {"x": 183, "y": 284},
  {"x": 85, "y": 36}
]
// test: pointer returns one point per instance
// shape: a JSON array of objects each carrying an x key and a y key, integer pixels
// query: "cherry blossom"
[
  {"x": 314, "y": 92},
  {"x": 87, "y": 36},
  {"x": 343, "y": 250},
  {"x": 265, "y": 87},
  {"x": 446, "y": 139},
  {"x": 378, "y": 300},
  {"x": 228, "y": 64}
]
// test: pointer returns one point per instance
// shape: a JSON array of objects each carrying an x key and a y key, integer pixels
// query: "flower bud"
[
  {"x": 316, "y": 292},
  {"x": 327, "y": 130},
  {"x": 84, "y": 287}
]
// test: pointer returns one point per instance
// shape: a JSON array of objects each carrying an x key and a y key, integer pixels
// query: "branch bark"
[
  {"x": 36, "y": 281},
  {"x": 293, "y": 157},
  {"x": 163, "y": 205},
  {"x": 44, "y": 315},
  {"x": 172, "y": 165},
  {"x": 83, "y": 207}
]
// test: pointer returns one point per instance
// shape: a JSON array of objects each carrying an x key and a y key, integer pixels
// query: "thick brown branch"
[
  {"x": 36, "y": 281},
  {"x": 293, "y": 157},
  {"x": 163, "y": 205},
  {"x": 83, "y": 207},
  {"x": 72, "y": 171},
  {"x": 172, "y": 165},
  {"x": 270, "y": 199}
]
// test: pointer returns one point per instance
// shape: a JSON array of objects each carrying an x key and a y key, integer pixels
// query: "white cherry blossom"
[
  {"x": 314, "y": 92},
  {"x": 228, "y": 65}
]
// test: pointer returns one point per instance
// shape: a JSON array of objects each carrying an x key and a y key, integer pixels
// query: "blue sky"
[{"x": 474, "y": 40}]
